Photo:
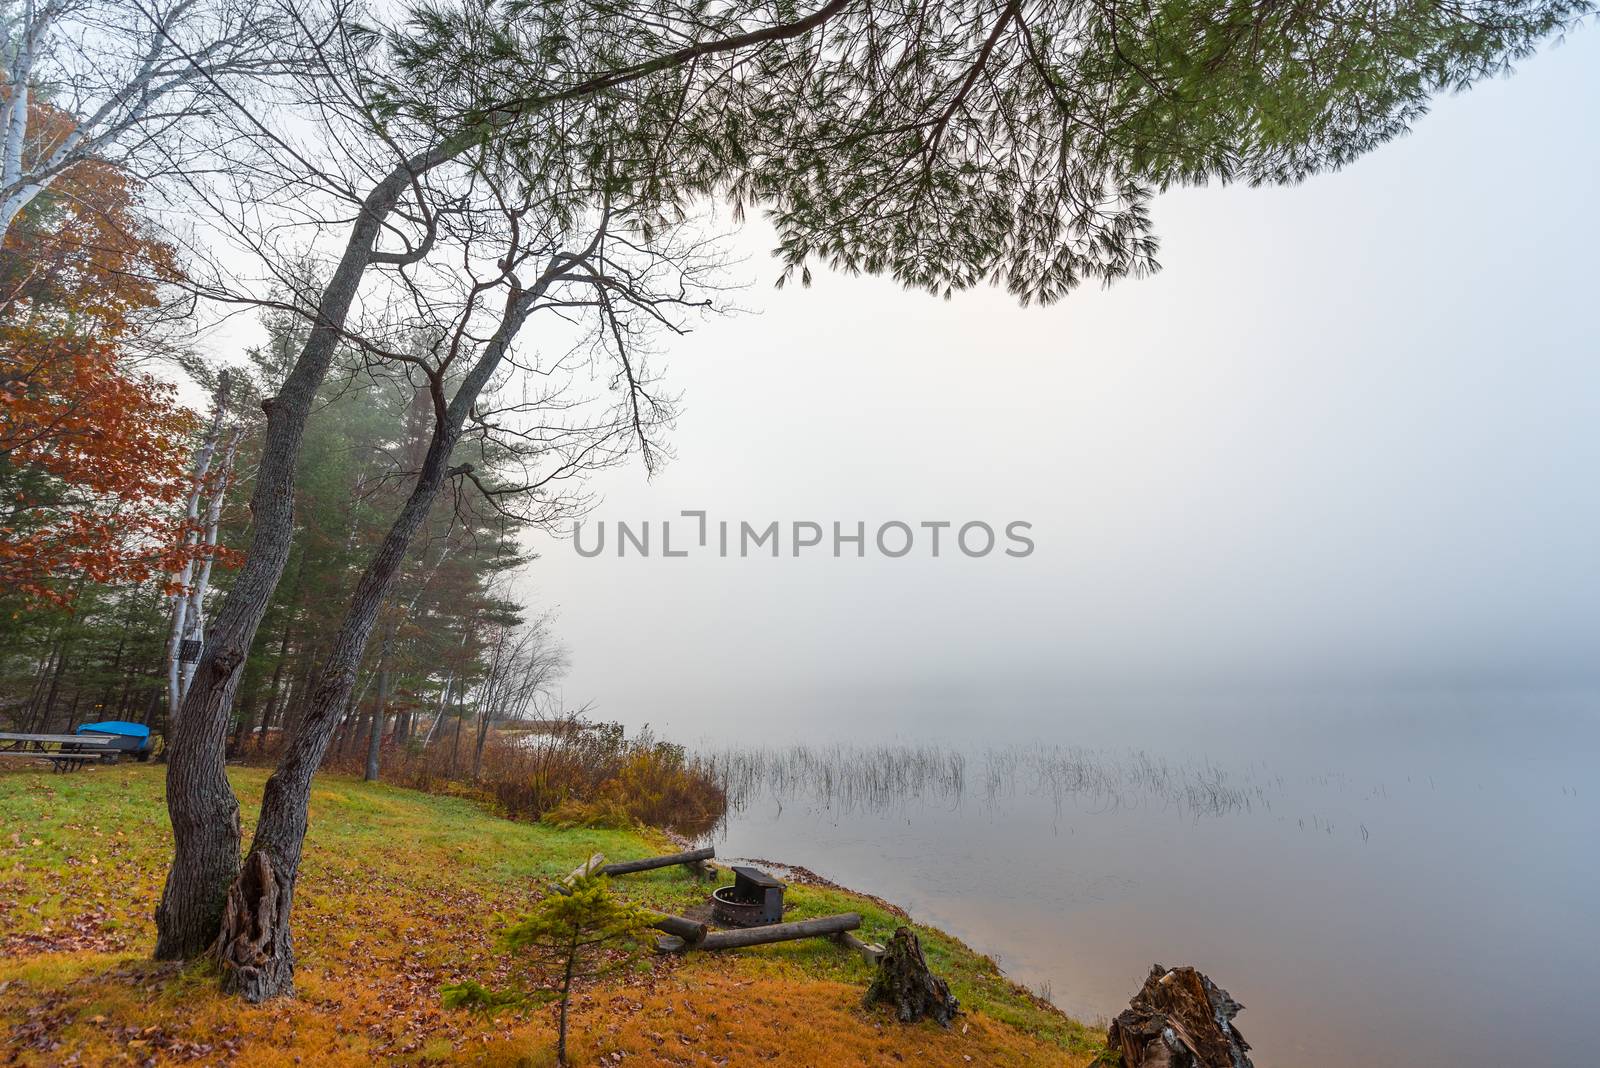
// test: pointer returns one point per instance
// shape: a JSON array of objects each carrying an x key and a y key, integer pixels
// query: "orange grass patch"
[{"x": 716, "y": 1012}]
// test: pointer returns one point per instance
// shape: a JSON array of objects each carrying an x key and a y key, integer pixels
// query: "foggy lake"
[{"x": 1416, "y": 874}]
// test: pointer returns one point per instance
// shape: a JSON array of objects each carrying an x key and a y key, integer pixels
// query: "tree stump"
[
  {"x": 903, "y": 978},
  {"x": 1179, "y": 1019}
]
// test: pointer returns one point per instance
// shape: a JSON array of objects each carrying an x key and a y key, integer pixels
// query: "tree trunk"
[
  {"x": 402, "y": 726},
  {"x": 566, "y": 999},
  {"x": 294, "y": 706},
  {"x": 272, "y": 690},
  {"x": 264, "y": 965},
  {"x": 904, "y": 979},
  {"x": 115, "y": 668},
  {"x": 46, "y": 669},
  {"x": 55, "y": 689},
  {"x": 375, "y": 739},
  {"x": 41, "y": 673},
  {"x": 438, "y": 716},
  {"x": 1179, "y": 1019},
  {"x": 455, "y": 739},
  {"x": 184, "y": 628},
  {"x": 246, "y": 721},
  {"x": 485, "y": 719},
  {"x": 204, "y": 811},
  {"x": 353, "y": 721},
  {"x": 255, "y": 945}
]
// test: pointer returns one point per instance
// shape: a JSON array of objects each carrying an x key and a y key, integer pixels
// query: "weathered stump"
[
  {"x": 253, "y": 949},
  {"x": 903, "y": 978},
  {"x": 1179, "y": 1019}
]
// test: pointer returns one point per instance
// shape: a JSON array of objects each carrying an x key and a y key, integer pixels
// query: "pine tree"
[{"x": 561, "y": 936}]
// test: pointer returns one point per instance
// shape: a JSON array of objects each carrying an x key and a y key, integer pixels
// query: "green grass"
[{"x": 400, "y": 892}]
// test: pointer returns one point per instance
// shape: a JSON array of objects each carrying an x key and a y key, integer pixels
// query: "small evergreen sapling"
[{"x": 560, "y": 936}]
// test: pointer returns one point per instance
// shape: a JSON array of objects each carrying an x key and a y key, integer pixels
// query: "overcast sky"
[{"x": 1348, "y": 439}]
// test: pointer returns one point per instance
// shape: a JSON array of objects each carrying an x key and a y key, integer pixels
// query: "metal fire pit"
[{"x": 754, "y": 899}]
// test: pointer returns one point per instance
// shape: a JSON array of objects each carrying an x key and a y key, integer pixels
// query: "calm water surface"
[{"x": 1414, "y": 883}]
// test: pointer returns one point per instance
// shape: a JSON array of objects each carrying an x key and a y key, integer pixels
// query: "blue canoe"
[{"x": 131, "y": 737}]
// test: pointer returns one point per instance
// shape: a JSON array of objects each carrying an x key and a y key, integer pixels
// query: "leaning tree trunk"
[
  {"x": 904, "y": 979},
  {"x": 254, "y": 945},
  {"x": 204, "y": 811}
]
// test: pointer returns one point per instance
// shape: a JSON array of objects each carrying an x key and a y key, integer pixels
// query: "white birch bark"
[
  {"x": 186, "y": 618},
  {"x": 172, "y": 59},
  {"x": 194, "y": 617}
]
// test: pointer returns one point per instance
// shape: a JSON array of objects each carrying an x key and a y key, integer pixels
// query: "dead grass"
[{"x": 398, "y": 896}]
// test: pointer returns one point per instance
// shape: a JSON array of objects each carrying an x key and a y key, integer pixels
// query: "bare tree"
[
  {"x": 605, "y": 289},
  {"x": 525, "y": 663},
  {"x": 119, "y": 81}
]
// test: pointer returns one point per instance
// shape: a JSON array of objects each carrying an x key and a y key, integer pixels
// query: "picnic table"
[{"x": 64, "y": 752}]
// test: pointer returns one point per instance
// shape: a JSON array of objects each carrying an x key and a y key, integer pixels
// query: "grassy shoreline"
[{"x": 399, "y": 894}]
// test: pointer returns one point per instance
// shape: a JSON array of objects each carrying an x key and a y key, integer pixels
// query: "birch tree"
[
  {"x": 135, "y": 78},
  {"x": 209, "y": 480}
]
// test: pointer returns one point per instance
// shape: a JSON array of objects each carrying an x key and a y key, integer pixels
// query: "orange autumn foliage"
[{"x": 92, "y": 452}]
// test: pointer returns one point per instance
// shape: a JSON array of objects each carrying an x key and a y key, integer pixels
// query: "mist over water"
[
  {"x": 1417, "y": 877},
  {"x": 1301, "y": 684}
]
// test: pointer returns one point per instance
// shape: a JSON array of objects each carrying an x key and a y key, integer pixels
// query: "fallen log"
[
  {"x": 822, "y": 926},
  {"x": 692, "y": 858},
  {"x": 904, "y": 980},
  {"x": 870, "y": 952},
  {"x": 588, "y": 867},
  {"x": 692, "y": 932},
  {"x": 1179, "y": 1019}
]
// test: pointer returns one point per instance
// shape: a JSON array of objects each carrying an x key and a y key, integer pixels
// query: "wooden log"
[
  {"x": 588, "y": 867},
  {"x": 627, "y": 867},
  {"x": 691, "y": 932},
  {"x": 871, "y": 952},
  {"x": 821, "y": 927}
]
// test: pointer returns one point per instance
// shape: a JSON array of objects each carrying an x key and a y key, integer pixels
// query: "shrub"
[
  {"x": 568, "y": 773},
  {"x": 573, "y": 813},
  {"x": 659, "y": 784}
]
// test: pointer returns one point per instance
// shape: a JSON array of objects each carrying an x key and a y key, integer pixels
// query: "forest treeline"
[
  {"x": 117, "y": 496},
  {"x": 461, "y": 691},
  {"x": 458, "y": 649}
]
